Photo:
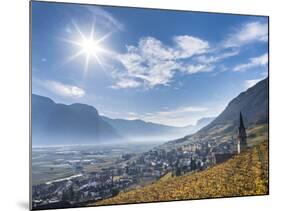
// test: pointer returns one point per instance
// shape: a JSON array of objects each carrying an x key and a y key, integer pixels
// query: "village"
[{"x": 130, "y": 171}]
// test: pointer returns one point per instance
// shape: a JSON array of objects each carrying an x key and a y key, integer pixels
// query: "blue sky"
[{"x": 161, "y": 66}]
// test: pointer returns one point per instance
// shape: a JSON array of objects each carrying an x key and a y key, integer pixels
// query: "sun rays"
[{"x": 89, "y": 46}]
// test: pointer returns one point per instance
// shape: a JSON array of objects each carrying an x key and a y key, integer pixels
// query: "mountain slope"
[
  {"x": 253, "y": 103},
  {"x": 245, "y": 174},
  {"x": 204, "y": 122},
  {"x": 54, "y": 123},
  {"x": 140, "y": 130}
]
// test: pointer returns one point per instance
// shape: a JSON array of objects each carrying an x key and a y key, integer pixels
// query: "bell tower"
[{"x": 242, "y": 136}]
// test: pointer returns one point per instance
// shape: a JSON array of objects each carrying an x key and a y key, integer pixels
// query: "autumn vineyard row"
[{"x": 245, "y": 174}]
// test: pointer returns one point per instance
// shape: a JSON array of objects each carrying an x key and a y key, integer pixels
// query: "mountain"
[
  {"x": 203, "y": 122},
  {"x": 141, "y": 130},
  {"x": 252, "y": 103},
  {"x": 54, "y": 123}
]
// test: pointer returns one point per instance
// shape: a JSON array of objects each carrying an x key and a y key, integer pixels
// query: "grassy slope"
[{"x": 244, "y": 174}]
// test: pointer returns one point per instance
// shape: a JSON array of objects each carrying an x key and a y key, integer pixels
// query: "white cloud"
[
  {"x": 133, "y": 116},
  {"x": 178, "y": 116},
  {"x": 184, "y": 115},
  {"x": 190, "y": 46},
  {"x": 218, "y": 57},
  {"x": 181, "y": 110},
  {"x": 152, "y": 63},
  {"x": 126, "y": 83},
  {"x": 150, "y": 47},
  {"x": 252, "y": 82},
  {"x": 191, "y": 69},
  {"x": 254, "y": 62},
  {"x": 247, "y": 33},
  {"x": 64, "y": 89},
  {"x": 105, "y": 18}
]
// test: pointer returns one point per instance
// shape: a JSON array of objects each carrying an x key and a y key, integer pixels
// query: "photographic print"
[{"x": 135, "y": 105}]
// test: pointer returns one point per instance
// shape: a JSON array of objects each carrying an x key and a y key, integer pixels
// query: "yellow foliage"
[{"x": 245, "y": 174}]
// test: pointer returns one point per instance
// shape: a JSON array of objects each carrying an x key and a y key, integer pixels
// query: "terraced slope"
[{"x": 245, "y": 174}]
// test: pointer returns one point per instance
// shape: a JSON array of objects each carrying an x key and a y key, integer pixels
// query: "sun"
[{"x": 90, "y": 47}]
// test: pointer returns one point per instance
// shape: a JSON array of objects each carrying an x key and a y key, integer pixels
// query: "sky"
[{"x": 161, "y": 66}]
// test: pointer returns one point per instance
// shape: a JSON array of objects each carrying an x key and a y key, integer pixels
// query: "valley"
[{"x": 207, "y": 164}]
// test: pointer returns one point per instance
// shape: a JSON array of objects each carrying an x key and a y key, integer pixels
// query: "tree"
[
  {"x": 193, "y": 165},
  {"x": 71, "y": 193},
  {"x": 64, "y": 196},
  {"x": 115, "y": 191},
  {"x": 178, "y": 171}
]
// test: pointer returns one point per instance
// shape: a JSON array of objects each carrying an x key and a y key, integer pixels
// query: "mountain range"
[
  {"x": 58, "y": 124},
  {"x": 55, "y": 123},
  {"x": 140, "y": 130}
]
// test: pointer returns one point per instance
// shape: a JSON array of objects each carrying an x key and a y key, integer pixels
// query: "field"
[
  {"x": 54, "y": 163},
  {"x": 243, "y": 175}
]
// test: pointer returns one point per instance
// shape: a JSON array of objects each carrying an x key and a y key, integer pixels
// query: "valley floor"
[{"x": 243, "y": 175}]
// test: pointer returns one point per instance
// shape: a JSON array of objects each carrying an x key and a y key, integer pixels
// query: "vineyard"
[{"x": 245, "y": 174}]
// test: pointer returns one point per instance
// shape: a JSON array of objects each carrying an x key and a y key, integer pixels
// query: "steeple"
[
  {"x": 242, "y": 136},
  {"x": 241, "y": 121}
]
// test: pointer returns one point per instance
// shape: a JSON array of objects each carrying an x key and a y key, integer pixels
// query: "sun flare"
[{"x": 90, "y": 46}]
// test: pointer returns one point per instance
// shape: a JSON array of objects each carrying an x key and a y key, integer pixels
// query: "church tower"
[{"x": 242, "y": 136}]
